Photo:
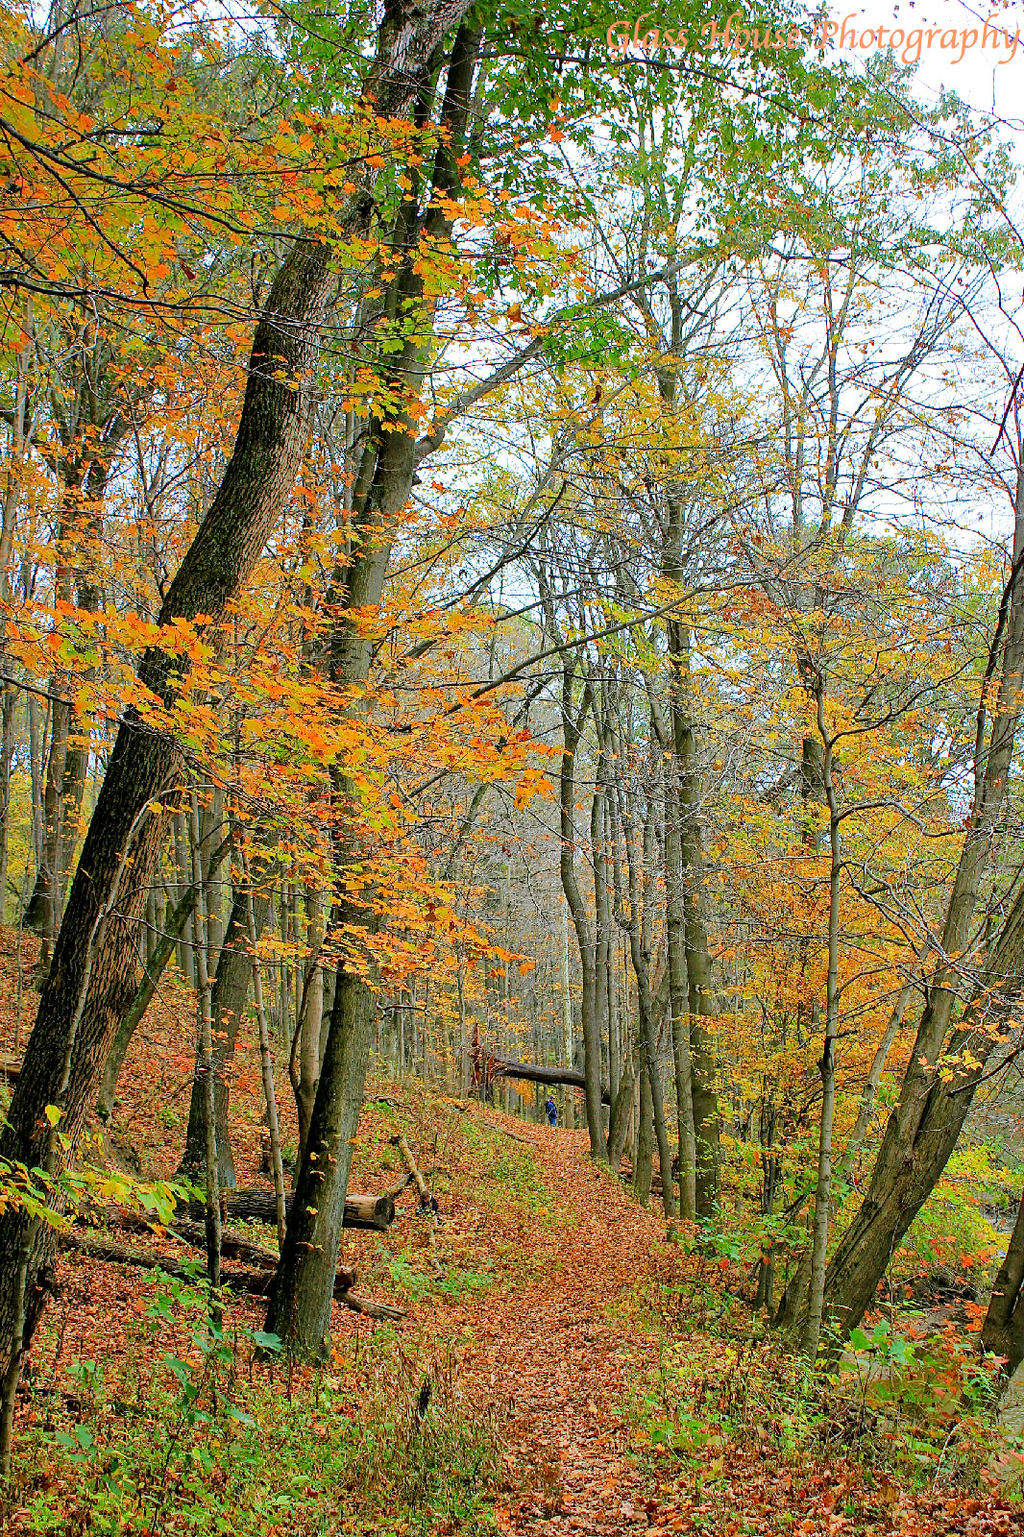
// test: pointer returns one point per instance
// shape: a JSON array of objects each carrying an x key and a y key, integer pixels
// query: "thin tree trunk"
[
  {"x": 645, "y": 1141},
  {"x": 679, "y": 1002},
  {"x": 572, "y": 731},
  {"x": 186, "y": 946},
  {"x": 266, "y": 1056},
  {"x": 311, "y": 1025},
  {"x": 7, "y": 718},
  {"x": 202, "y": 929},
  {"x": 631, "y": 923},
  {"x": 827, "y": 1066}
]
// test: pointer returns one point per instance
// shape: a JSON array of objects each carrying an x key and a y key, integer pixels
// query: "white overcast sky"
[{"x": 976, "y": 77}]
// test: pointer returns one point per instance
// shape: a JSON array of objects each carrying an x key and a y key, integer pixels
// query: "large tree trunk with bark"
[
  {"x": 1003, "y": 1329},
  {"x": 92, "y": 976},
  {"x": 923, "y": 1131},
  {"x": 300, "y": 1306}
]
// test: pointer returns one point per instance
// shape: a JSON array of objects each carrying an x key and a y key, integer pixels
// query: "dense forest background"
[{"x": 511, "y": 604}]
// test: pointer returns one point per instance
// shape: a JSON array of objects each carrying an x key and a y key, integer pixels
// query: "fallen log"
[
  {"x": 568, "y": 1077},
  {"x": 251, "y": 1282},
  {"x": 428, "y": 1202},
  {"x": 232, "y": 1245},
  {"x": 255, "y": 1281},
  {"x": 370, "y": 1213},
  {"x": 497, "y": 1126}
]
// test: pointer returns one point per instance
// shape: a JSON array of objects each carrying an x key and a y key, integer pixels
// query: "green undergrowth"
[
  {"x": 897, "y": 1400},
  {"x": 507, "y": 1172},
  {"x": 218, "y": 1435}
]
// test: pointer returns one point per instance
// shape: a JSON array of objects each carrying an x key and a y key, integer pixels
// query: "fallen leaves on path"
[{"x": 555, "y": 1361}]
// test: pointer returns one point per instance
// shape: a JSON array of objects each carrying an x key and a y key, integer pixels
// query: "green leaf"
[{"x": 264, "y": 1341}]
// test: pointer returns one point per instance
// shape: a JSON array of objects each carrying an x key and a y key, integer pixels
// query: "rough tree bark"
[
  {"x": 919, "y": 1141},
  {"x": 72, "y": 1034},
  {"x": 300, "y": 1305},
  {"x": 532, "y": 1072}
]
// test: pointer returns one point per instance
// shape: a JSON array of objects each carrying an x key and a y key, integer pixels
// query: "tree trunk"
[
  {"x": 365, "y": 1213},
  {"x": 266, "y": 1058},
  {"x": 532, "y": 1072},
  {"x": 73, "y": 1030},
  {"x": 174, "y": 926},
  {"x": 618, "y": 1120},
  {"x": 679, "y": 996},
  {"x": 230, "y": 995},
  {"x": 7, "y": 710},
  {"x": 926, "y": 1121},
  {"x": 572, "y": 731},
  {"x": 1003, "y": 1329},
  {"x": 695, "y": 1057},
  {"x": 827, "y": 1065},
  {"x": 631, "y": 923},
  {"x": 923, "y": 1131},
  {"x": 201, "y": 920},
  {"x": 311, "y": 1025},
  {"x": 645, "y": 1143},
  {"x": 300, "y": 1306}
]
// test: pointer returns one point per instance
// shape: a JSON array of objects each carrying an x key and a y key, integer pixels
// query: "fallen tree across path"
[{"x": 491, "y": 1067}]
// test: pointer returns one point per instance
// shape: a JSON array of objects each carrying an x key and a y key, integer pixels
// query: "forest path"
[
  {"x": 555, "y": 1363},
  {"x": 557, "y": 1360}
]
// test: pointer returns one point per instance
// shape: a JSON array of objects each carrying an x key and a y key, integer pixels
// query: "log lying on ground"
[
  {"x": 509, "y": 1067},
  {"x": 256, "y": 1281},
  {"x": 253, "y": 1282},
  {"x": 428, "y": 1203},
  {"x": 370, "y": 1213},
  {"x": 505, "y": 1132},
  {"x": 232, "y": 1245}
]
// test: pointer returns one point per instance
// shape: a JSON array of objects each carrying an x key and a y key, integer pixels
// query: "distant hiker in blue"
[{"x": 552, "y": 1110}]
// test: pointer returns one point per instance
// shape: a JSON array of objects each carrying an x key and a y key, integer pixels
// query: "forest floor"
[
  {"x": 568, "y": 1353},
  {"x": 562, "y": 1369}
]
